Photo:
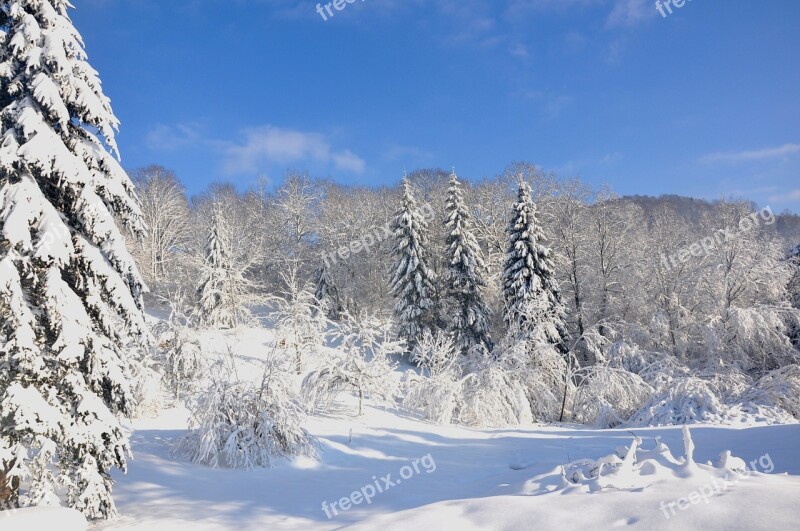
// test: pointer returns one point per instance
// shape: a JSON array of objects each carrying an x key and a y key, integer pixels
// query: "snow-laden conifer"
[
  {"x": 463, "y": 280},
  {"x": 223, "y": 289},
  {"x": 70, "y": 292},
  {"x": 532, "y": 301},
  {"x": 413, "y": 281}
]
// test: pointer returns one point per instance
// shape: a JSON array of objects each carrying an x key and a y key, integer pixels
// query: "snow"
[
  {"x": 36, "y": 518},
  {"x": 482, "y": 479}
]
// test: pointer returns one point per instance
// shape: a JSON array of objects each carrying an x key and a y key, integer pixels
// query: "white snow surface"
[
  {"x": 42, "y": 518},
  {"x": 507, "y": 478}
]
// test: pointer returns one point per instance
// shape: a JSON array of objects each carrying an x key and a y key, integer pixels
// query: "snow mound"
[{"x": 634, "y": 468}]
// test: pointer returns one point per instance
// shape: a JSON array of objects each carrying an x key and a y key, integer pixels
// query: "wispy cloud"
[
  {"x": 164, "y": 137},
  {"x": 787, "y": 197},
  {"x": 551, "y": 103},
  {"x": 785, "y": 150},
  {"x": 259, "y": 147},
  {"x": 411, "y": 154},
  {"x": 630, "y": 13},
  {"x": 572, "y": 167}
]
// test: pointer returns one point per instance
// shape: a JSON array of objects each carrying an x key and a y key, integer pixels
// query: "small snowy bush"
[
  {"x": 756, "y": 338},
  {"x": 146, "y": 389},
  {"x": 607, "y": 397},
  {"x": 362, "y": 365},
  {"x": 684, "y": 401},
  {"x": 779, "y": 388},
  {"x": 437, "y": 392},
  {"x": 300, "y": 327},
  {"x": 435, "y": 352},
  {"x": 437, "y": 397},
  {"x": 541, "y": 371},
  {"x": 656, "y": 368},
  {"x": 184, "y": 361},
  {"x": 238, "y": 424},
  {"x": 494, "y": 397}
]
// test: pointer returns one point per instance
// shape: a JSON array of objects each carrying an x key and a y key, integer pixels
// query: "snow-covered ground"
[{"x": 451, "y": 477}]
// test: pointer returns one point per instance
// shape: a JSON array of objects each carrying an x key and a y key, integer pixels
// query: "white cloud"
[
  {"x": 751, "y": 155},
  {"x": 270, "y": 144},
  {"x": 163, "y": 137}
]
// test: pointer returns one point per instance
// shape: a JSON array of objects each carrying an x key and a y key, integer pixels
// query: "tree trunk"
[{"x": 9, "y": 489}]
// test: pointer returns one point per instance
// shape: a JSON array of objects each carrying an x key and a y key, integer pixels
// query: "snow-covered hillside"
[{"x": 451, "y": 477}]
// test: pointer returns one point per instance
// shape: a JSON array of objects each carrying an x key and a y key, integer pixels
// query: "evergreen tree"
[
  {"x": 463, "y": 279},
  {"x": 532, "y": 301},
  {"x": 413, "y": 282},
  {"x": 327, "y": 295},
  {"x": 221, "y": 285},
  {"x": 70, "y": 292}
]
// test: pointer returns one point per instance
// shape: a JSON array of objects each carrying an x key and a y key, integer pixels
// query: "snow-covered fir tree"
[
  {"x": 222, "y": 287},
  {"x": 70, "y": 292},
  {"x": 463, "y": 280},
  {"x": 413, "y": 282},
  {"x": 327, "y": 295},
  {"x": 532, "y": 301}
]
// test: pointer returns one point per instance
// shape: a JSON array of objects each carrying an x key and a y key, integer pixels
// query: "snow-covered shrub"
[
  {"x": 541, "y": 371},
  {"x": 300, "y": 327},
  {"x": 684, "y": 401},
  {"x": 493, "y": 396},
  {"x": 779, "y": 388},
  {"x": 655, "y": 368},
  {"x": 607, "y": 397},
  {"x": 436, "y": 397},
  {"x": 239, "y": 424},
  {"x": 435, "y": 352},
  {"x": 754, "y": 338},
  {"x": 728, "y": 381},
  {"x": 146, "y": 390},
  {"x": 436, "y": 393},
  {"x": 224, "y": 292},
  {"x": 362, "y": 366},
  {"x": 183, "y": 361}
]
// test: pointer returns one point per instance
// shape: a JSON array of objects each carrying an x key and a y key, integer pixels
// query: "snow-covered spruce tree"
[
  {"x": 70, "y": 292},
  {"x": 327, "y": 295},
  {"x": 532, "y": 301},
  {"x": 463, "y": 279},
  {"x": 223, "y": 288},
  {"x": 413, "y": 282}
]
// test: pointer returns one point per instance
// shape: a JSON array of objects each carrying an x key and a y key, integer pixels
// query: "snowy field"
[{"x": 464, "y": 478}]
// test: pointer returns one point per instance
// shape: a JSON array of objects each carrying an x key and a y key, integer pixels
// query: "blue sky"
[{"x": 701, "y": 102}]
